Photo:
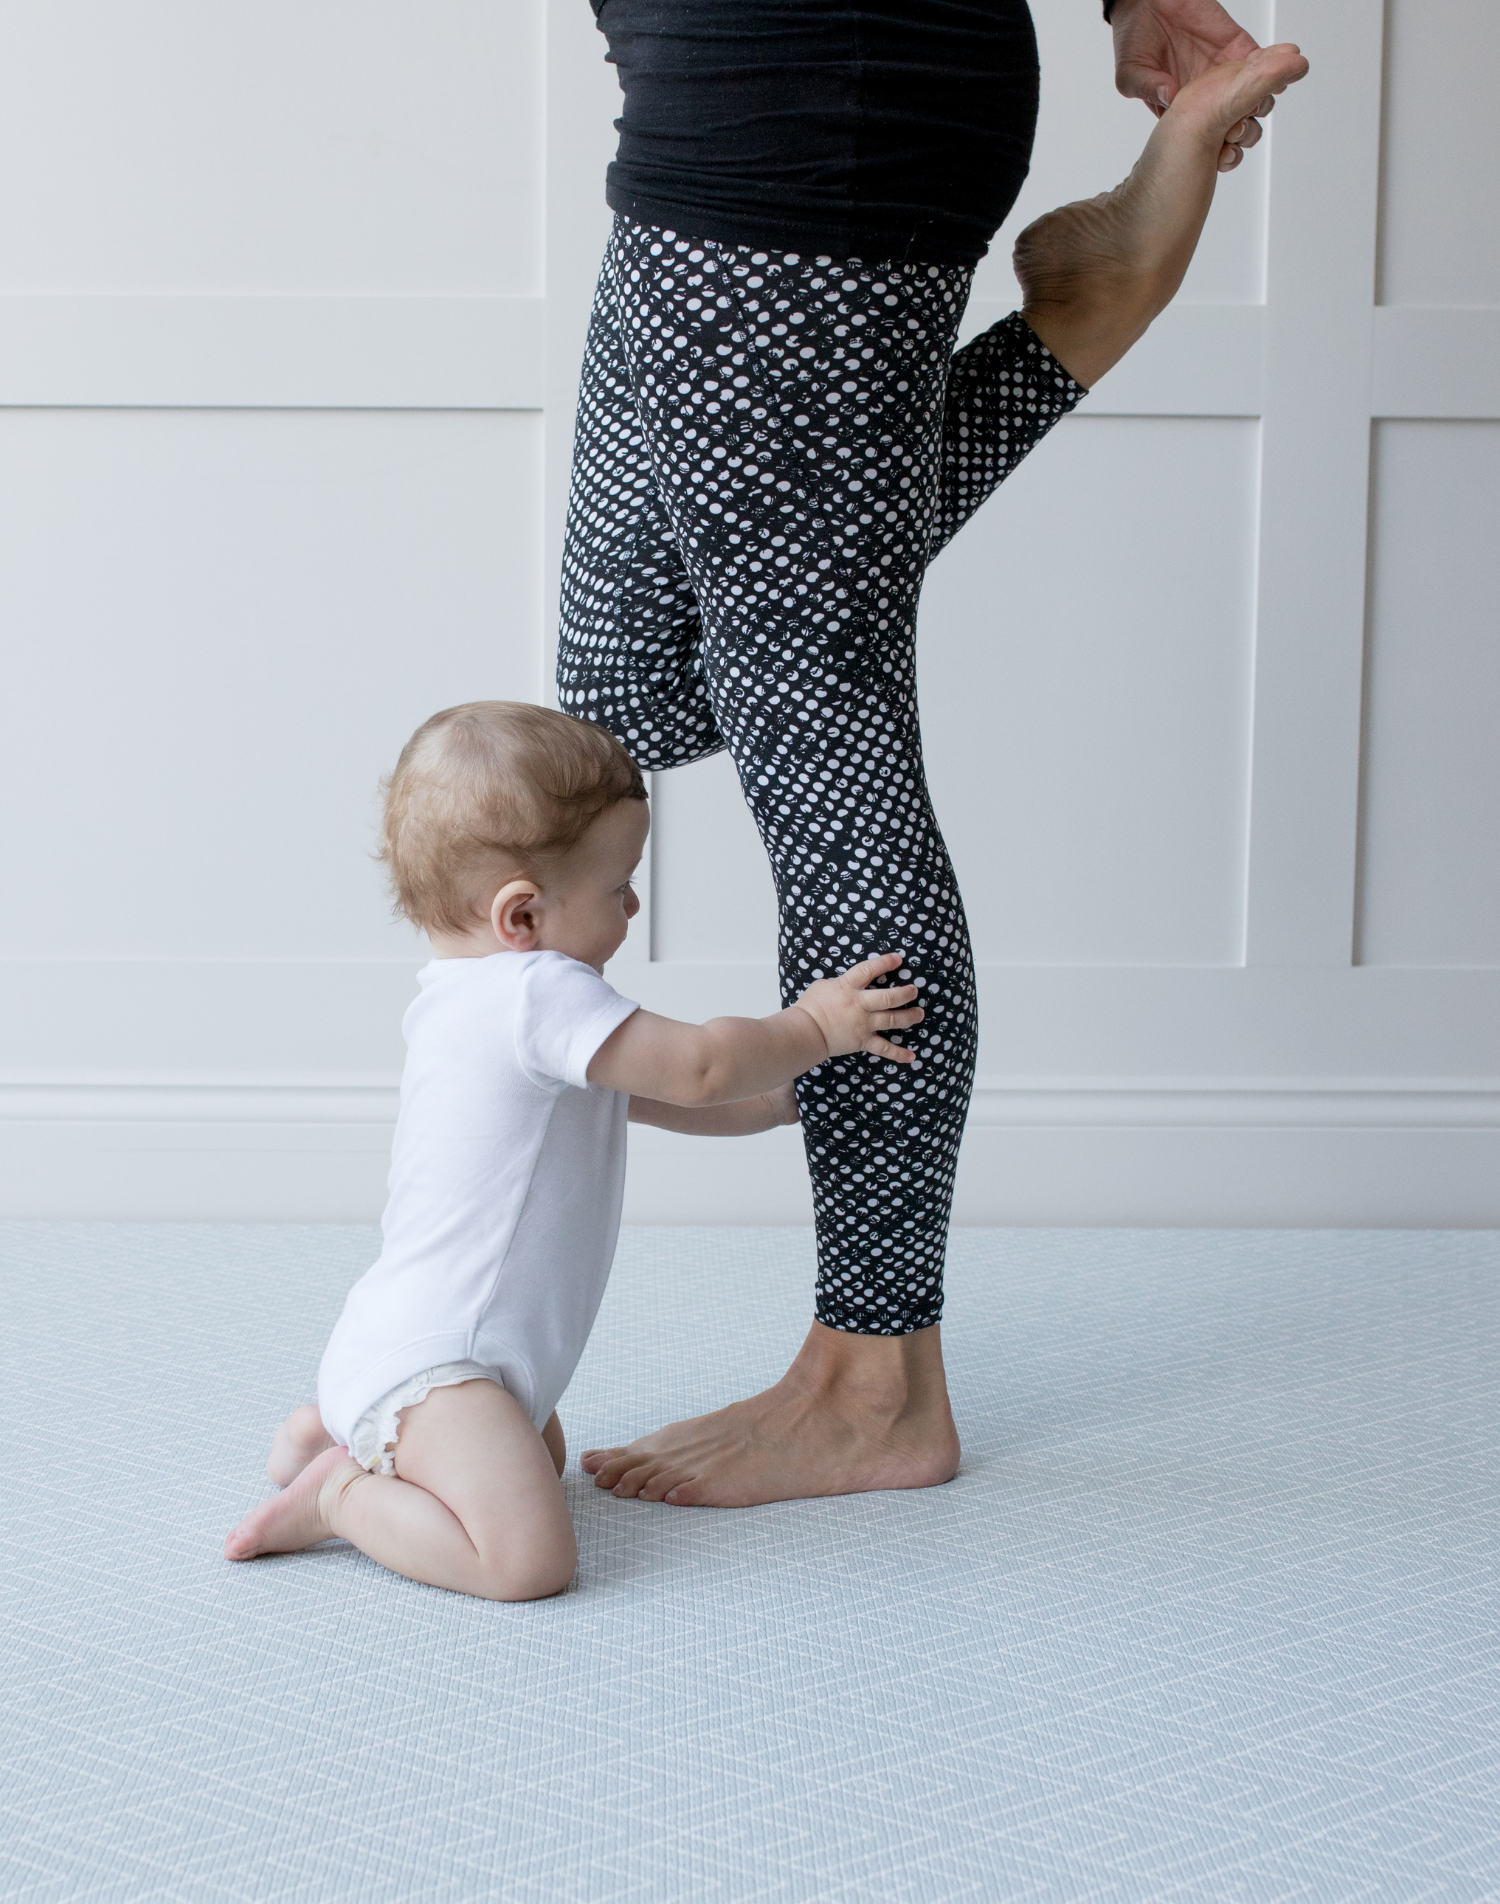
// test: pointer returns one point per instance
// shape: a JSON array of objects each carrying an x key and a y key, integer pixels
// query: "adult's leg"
[
  {"x": 1005, "y": 392},
  {"x": 793, "y": 413},
  {"x": 628, "y": 641},
  {"x": 830, "y": 389}
]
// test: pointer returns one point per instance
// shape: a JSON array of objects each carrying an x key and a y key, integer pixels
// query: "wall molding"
[
  {"x": 999, "y": 1103},
  {"x": 318, "y": 1152},
  {"x": 491, "y": 353},
  {"x": 304, "y": 353}
]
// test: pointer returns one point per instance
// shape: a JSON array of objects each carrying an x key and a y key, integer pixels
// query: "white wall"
[{"x": 291, "y": 305}]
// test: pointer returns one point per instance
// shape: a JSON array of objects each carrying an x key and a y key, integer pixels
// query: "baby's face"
[{"x": 589, "y": 904}]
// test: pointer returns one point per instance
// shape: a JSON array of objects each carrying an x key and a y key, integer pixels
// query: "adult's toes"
[
  {"x": 633, "y": 1480},
  {"x": 593, "y": 1459},
  {"x": 663, "y": 1482}
]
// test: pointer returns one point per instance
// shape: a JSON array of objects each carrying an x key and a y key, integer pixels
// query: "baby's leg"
[
  {"x": 474, "y": 1505},
  {"x": 557, "y": 1447},
  {"x": 1096, "y": 273},
  {"x": 300, "y": 1438}
]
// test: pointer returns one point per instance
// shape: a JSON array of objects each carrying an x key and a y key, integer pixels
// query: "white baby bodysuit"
[{"x": 507, "y": 1173}]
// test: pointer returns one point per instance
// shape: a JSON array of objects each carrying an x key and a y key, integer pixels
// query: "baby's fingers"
[
  {"x": 868, "y": 970},
  {"x": 883, "y": 1048},
  {"x": 886, "y": 997}
]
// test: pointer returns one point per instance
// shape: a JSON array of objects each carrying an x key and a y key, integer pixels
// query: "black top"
[{"x": 876, "y": 129}]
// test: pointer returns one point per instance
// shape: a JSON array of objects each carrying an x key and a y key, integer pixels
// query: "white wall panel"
[
  {"x": 1430, "y": 833},
  {"x": 1440, "y": 212},
  {"x": 221, "y": 628},
  {"x": 329, "y": 251},
  {"x": 291, "y": 146},
  {"x": 712, "y": 900},
  {"x": 1086, "y": 696},
  {"x": 1087, "y": 140}
]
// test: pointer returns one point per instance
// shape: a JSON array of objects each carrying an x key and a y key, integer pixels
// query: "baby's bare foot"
[
  {"x": 297, "y": 1517},
  {"x": 299, "y": 1439}
]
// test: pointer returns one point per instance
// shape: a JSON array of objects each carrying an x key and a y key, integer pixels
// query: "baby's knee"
[
  {"x": 525, "y": 1551},
  {"x": 535, "y": 1573},
  {"x": 555, "y": 1444}
]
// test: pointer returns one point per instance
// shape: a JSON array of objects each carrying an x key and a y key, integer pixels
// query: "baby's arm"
[
  {"x": 744, "y": 1118},
  {"x": 731, "y": 1059},
  {"x": 1094, "y": 274}
]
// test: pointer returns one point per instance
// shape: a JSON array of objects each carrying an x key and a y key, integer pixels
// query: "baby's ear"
[{"x": 515, "y": 915}]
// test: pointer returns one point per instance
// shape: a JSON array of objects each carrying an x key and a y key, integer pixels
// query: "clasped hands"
[{"x": 1162, "y": 44}]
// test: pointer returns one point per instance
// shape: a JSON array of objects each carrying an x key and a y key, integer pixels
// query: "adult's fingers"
[{"x": 1136, "y": 80}]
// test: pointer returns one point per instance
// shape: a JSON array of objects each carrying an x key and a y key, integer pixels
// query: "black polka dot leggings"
[{"x": 770, "y": 450}]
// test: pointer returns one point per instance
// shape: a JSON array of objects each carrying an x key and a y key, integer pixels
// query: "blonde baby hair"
[{"x": 488, "y": 790}]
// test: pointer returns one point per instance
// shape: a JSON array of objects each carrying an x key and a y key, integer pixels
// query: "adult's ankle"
[{"x": 883, "y": 1373}]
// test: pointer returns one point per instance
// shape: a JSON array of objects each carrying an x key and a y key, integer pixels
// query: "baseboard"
[{"x": 1346, "y": 1152}]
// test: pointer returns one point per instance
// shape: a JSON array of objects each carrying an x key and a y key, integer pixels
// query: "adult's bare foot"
[
  {"x": 853, "y": 1413},
  {"x": 299, "y": 1439},
  {"x": 1095, "y": 274},
  {"x": 297, "y": 1517}
]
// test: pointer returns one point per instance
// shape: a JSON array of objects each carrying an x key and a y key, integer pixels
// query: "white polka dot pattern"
[{"x": 770, "y": 449}]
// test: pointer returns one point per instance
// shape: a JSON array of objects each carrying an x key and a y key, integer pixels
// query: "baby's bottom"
[
  {"x": 302, "y": 1438},
  {"x": 475, "y": 1503}
]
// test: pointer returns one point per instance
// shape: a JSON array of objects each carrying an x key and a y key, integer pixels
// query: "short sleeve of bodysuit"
[{"x": 566, "y": 1012}]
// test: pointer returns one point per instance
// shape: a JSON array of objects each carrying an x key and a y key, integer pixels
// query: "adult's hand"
[{"x": 1162, "y": 44}]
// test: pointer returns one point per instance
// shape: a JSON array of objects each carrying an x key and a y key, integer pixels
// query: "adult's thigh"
[
  {"x": 793, "y": 413},
  {"x": 629, "y": 629}
]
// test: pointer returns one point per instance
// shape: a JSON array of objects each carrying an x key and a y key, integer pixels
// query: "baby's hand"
[{"x": 851, "y": 1017}]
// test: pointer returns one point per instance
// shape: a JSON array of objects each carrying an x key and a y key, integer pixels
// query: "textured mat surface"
[{"x": 1210, "y": 1613}]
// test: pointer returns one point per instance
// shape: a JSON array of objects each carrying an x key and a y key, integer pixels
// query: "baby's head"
[{"x": 514, "y": 828}]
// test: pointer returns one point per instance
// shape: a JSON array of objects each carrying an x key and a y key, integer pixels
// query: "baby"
[{"x": 511, "y": 834}]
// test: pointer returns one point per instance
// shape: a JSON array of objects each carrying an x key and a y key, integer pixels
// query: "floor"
[{"x": 1210, "y": 1613}]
